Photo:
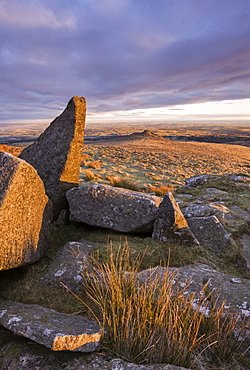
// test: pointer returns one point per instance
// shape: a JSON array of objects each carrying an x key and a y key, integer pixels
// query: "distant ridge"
[{"x": 145, "y": 135}]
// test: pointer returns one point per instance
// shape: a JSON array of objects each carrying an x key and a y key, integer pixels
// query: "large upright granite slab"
[{"x": 56, "y": 154}]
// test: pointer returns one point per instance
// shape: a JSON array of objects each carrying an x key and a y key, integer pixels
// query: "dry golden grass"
[
  {"x": 94, "y": 164},
  {"x": 122, "y": 183},
  {"x": 161, "y": 190},
  {"x": 90, "y": 175},
  {"x": 14, "y": 150},
  {"x": 152, "y": 163},
  {"x": 154, "y": 321},
  {"x": 85, "y": 157}
]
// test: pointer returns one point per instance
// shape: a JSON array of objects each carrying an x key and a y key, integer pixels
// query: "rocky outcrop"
[
  {"x": 113, "y": 208},
  {"x": 55, "y": 330},
  {"x": 69, "y": 265},
  {"x": 199, "y": 180},
  {"x": 25, "y": 213},
  {"x": 170, "y": 224},
  {"x": 56, "y": 154},
  {"x": 235, "y": 291},
  {"x": 217, "y": 209}
]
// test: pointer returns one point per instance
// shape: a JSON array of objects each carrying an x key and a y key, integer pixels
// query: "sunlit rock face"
[
  {"x": 25, "y": 213},
  {"x": 56, "y": 154}
]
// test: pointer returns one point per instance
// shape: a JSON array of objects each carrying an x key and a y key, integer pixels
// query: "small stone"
[{"x": 236, "y": 280}]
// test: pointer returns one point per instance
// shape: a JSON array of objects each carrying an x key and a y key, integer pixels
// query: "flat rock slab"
[
  {"x": 209, "y": 232},
  {"x": 113, "y": 208},
  {"x": 68, "y": 265},
  {"x": 56, "y": 154},
  {"x": 25, "y": 213},
  {"x": 57, "y": 331}
]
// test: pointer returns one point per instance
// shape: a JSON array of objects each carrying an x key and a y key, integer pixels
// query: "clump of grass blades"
[
  {"x": 227, "y": 329},
  {"x": 94, "y": 164},
  {"x": 152, "y": 321},
  {"x": 85, "y": 157},
  {"x": 161, "y": 190},
  {"x": 90, "y": 175},
  {"x": 123, "y": 183}
]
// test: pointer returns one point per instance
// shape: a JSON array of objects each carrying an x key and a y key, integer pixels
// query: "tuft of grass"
[
  {"x": 227, "y": 330},
  {"x": 123, "y": 183},
  {"x": 161, "y": 190},
  {"x": 94, "y": 164},
  {"x": 154, "y": 321},
  {"x": 85, "y": 157},
  {"x": 90, "y": 175}
]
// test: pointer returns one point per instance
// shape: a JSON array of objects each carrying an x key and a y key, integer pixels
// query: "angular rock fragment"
[
  {"x": 170, "y": 224},
  {"x": 113, "y": 208},
  {"x": 57, "y": 331},
  {"x": 56, "y": 154},
  {"x": 68, "y": 265},
  {"x": 25, "y": 213},
  {"x": 209, "y": 232}
]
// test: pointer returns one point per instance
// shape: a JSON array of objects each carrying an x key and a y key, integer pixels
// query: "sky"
[{"x": 133, "y": 60}]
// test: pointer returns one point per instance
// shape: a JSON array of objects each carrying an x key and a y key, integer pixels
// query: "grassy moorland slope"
[{"x": 147, "y": 158}]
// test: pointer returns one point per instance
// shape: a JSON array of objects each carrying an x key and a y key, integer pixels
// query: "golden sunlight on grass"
[{"x": 152, "y": 320}]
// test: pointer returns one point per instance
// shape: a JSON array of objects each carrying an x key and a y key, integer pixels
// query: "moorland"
[
  {"x": 160, "y": 157},
  {"x": 160, "y": 154}
]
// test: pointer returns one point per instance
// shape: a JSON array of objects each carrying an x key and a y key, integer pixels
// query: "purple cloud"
[{"x": 120, "y": 55}]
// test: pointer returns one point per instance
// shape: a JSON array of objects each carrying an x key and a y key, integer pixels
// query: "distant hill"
[
  {"x": 149, "y": 136},
  {"x": 137, "y": 137}
]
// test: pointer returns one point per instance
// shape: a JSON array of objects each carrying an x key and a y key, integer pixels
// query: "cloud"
[
  {"x": 35, "y": 14},
  {"x": 121, "y": 55}
]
